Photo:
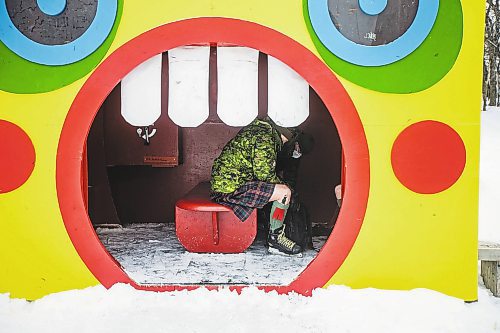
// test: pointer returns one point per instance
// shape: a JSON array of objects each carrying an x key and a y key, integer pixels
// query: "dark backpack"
[{"x": 298, "y": 224}]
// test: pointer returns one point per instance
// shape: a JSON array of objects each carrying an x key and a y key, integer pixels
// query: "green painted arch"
[
  {"x": 421, "y": 69},
  {"x": 20, "y": 76}
]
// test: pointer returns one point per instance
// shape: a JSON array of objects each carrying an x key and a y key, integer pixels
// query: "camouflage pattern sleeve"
[
  {"x": 250, "y": 155},
  {"x": 264, "y": 160}
]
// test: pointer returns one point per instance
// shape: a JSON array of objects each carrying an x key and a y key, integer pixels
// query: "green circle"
[
  {"x": 20, "y": 76},
  {"x": 421, "y": 69}
]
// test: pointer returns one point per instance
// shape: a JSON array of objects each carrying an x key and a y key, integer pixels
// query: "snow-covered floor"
[{"x": 151, "y": 254}]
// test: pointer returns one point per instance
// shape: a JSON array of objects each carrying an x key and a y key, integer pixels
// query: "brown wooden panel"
[
  {"x": 148, "y": 195},
  {"x": 101, "y": 207},
  {"x": 263, "y": 100},
  {"x": 320, "y": 170},
  {"x": 123, "y": 144},
  {"x": 213, "y": 117},
  {"x": 145, "y": 194}
]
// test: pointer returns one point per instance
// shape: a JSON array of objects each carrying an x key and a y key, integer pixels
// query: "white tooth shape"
[
  {"x": 188, "y": 85},
  {"x": 237, "y": 85},
  {"x": 288, "y": 94},
  {"x": 141, "y": 93}
]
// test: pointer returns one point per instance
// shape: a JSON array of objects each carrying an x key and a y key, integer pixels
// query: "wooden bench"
[
  {"x": 204, "y": 226},
  {"x": 489, "y": 255}
]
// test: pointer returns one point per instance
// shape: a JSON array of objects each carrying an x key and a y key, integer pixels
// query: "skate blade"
[{"x": 272, "y": 250}]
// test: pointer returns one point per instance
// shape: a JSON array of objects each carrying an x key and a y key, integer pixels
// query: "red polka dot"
[
  {"x": 17, "y": 156},
  {"x": 428, "y": 157}
]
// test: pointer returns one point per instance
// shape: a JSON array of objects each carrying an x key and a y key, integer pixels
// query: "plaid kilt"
[{"x": 254, "y": 194}]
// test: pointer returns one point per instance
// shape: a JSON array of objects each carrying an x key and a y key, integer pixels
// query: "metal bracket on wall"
[{"x": 144, "y": 133}]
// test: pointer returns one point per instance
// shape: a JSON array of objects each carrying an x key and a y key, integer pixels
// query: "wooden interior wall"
[
  {"x": 101, "y": 207},
  {"x": 138, "y": 193}
]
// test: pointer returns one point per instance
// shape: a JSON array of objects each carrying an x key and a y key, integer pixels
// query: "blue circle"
[
  {"x": 51, "y": 7},
  {"x": 377, "y": 55},
  {"x": 62, "y": 54},
  {"x": 372, "y": 7}
]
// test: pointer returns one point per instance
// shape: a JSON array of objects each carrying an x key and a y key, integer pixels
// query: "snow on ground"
[
  {"x": 336, "y": 309},
  {"x": 150, "y": 253},
  {"x": 489, "y": 180}
]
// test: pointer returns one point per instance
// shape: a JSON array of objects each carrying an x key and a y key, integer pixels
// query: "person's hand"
[
  {"x": 338, "y": 191},
  {"x": 281, "y": 192},
  {"x": 338, "y": 194}
]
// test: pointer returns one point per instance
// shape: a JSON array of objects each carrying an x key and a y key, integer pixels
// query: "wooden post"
[{"x": 489, "y": 254}]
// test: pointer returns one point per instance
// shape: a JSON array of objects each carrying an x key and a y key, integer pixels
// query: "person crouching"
[{"x": 244, "y": 178}]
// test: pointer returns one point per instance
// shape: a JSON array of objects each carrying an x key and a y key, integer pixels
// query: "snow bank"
[
  {"x": 336, "y": 309},
  {"x": 489, "y": 179}
]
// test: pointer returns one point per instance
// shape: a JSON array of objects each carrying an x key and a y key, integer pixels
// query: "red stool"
[{"x": 204, "y": 226}]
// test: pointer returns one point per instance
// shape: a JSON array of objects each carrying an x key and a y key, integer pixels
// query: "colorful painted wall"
[{"x": 405, "y": 99}]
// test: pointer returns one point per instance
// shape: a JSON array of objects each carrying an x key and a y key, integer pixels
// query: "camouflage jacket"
[{"x": 250, "y": 155}]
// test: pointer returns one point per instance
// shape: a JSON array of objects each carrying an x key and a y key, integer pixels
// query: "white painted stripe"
[
  {"x": 237, "y": 82},
  {"x": 141, "y": 93},
  {"x": 188, "y": 85},
  {"x": 288, "y": 95}
]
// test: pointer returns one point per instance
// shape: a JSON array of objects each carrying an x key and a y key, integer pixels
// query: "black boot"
[{"x": 279, "y": 244}]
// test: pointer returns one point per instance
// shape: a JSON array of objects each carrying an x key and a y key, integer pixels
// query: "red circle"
[
  {"x": 17, "y": 156},
  {"x": 212, "y": 31},
  {"x": 428, "y": 157}
]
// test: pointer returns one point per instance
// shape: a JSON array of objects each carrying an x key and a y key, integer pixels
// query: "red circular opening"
[{"x": 216, "y": 31}]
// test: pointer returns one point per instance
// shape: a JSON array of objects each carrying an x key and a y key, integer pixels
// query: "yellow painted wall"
[{"x": 407, "y": 240}]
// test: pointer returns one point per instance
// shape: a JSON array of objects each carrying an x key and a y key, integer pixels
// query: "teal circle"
[
  {"x": 51, "y": 7},
  {"x": 372, "y": 7}
]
